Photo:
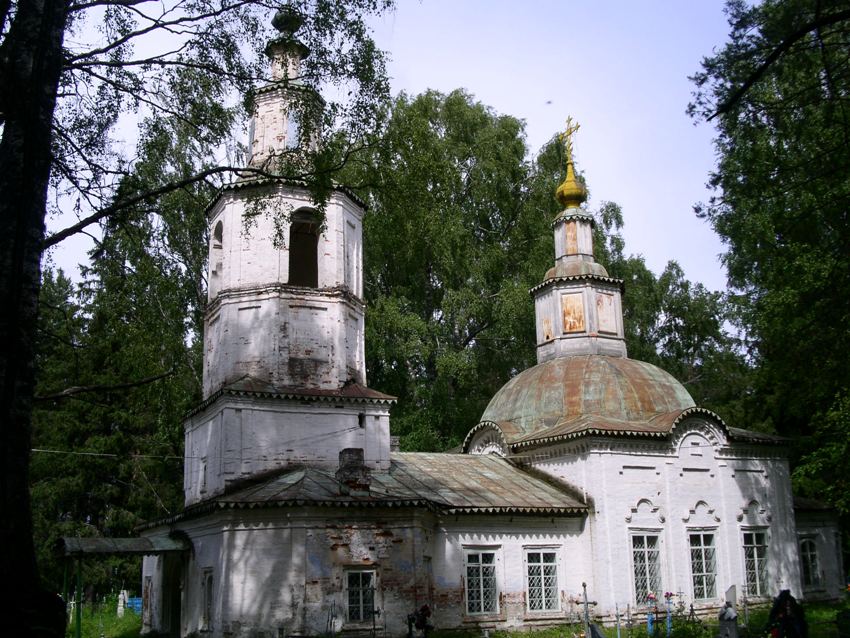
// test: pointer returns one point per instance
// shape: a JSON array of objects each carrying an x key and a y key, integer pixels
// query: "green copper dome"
[{"x": 613, "y": 392}]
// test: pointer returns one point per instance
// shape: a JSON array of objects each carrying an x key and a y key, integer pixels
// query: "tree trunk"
[{"x": 30, "y": 67}]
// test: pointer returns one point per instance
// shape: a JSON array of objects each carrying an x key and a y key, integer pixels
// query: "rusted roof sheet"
[
  {"x": 75, "y": 546},
  {"x": 251, "y": 387},
  {"x": 584, "y": 393},
  {"x": 449, "y": 483},
  {"x": 478, "y": 483}
]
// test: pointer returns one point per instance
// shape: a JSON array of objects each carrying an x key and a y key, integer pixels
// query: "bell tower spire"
[
  {"x": 578, "y": 307},
  {"x": 276, "y": 127}
]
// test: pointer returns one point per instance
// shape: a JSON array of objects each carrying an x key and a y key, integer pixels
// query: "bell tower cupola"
[
  {"x": 578, "y": 307},
  {"x": 280, "y": 106}
]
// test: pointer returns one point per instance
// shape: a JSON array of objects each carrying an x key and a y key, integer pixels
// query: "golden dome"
[{"x": 572, "y": 192}]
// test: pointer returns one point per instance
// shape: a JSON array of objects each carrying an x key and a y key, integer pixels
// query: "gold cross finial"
[{"x": 567, "y": 137}]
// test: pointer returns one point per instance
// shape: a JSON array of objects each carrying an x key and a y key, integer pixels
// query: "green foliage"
[
  {"x": 101, "y": 620},
  {"x": 782, "y": 187},
  {"x": 449, "y": 257},
  {"x": 119, "y": 359},
  {"x": 458, "y": 230},
  {"x": 823, "y": 470}
]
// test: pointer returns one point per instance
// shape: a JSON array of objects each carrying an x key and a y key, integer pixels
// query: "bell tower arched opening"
[{"x": 304, "y": 249}]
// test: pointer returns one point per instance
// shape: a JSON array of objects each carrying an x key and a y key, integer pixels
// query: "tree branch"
[
  {"x": 74, "y": 390},
  {"x": 105, "y": 212},
  {"x": 782, "y": 48}
]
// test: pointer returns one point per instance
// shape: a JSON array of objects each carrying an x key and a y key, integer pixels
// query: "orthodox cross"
[{"x": 567, "y": 137}]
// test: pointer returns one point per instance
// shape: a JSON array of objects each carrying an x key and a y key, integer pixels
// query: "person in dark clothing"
[{"x": 787, "y": 618}]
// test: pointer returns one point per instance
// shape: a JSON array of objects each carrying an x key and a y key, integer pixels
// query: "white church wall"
[
  {"x": 701, "y": 486},
  {"x": 286, "y": 571},
  {"x": 821, "y": 560},
  {"x": 238, "y": 437},
  {"x": 509, "y": 540}
]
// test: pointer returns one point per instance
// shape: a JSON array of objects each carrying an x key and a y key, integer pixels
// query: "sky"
[{"x": 618, "y": 67}]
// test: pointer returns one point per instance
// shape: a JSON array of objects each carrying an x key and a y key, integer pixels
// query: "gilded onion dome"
[{"x": 572, "y": 192}]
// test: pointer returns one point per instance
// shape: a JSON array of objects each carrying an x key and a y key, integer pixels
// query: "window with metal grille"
[
  {"x": 755, "y": 562},
  {"x": 361, "y": 595},
  {"x": 703, "y": 565},
  {"x": 481, "y": 591},
  {"x": 646, "y": 565},
  {"x": 809, "y": 560},
  {"x": 542, "y": 572}
]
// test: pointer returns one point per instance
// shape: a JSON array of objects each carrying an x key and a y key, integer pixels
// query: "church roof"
[
  {"x": 598, "y": 393},
  {"x": 447, "y": 483},
  {"x": 251, "y": 387}
]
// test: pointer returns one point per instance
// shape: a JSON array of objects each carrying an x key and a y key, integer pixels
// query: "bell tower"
[
  {"x": 284, "y": 376},
  {"x": 578, "y": 307},
  {"x": 285, "y": 283}
]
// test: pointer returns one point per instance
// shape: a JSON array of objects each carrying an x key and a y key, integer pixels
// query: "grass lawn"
[
  {"x": 101, "y": 619},
  {"x": 821, "y": 618}
]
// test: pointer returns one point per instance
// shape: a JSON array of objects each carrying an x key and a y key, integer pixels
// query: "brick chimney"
[{"x": 352, "y": 474}]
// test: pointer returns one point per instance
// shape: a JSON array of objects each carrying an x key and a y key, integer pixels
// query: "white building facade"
[{"x": 588, "y": 470}]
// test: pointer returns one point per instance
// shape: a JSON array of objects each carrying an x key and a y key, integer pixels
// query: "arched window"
[
  {"x": 215, "y": 257},
  {"x": 809, "y": 560},
  {"x": 303, "y": 249},
  {"x": 218, "y": 234}
]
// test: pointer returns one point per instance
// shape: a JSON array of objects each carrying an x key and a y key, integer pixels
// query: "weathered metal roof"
[
  {"x": 75, "y": 546},
  {"x": 568, "y": 395},
  {"x": 448, "y": 483},
  {"x": 478, "y": 483},
  {"x": 660, "y": 426},
  {"x": 250, "y": 387}
]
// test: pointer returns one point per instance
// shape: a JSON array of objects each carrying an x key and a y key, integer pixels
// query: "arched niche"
[
  {"x": 753, "y": 514},
  {"x": 304, "y": 249},
  {"x": 645, "y": 514},
  {"x": 701, "y": 515}
]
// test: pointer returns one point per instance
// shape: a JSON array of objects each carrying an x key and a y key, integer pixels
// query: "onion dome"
[{"x": 572, "y": 192}]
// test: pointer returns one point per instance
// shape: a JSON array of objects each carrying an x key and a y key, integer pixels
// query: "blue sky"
[{"x": 618, "y": 67}]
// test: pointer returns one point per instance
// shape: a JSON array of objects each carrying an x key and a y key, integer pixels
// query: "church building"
[{"x": 589, "y": 469}]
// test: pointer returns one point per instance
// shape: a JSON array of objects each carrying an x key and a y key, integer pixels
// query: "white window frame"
[
  {"x": 207, "y": 599},
  {"x": 810, "y": 562},
  {"x": 705, "y": 574},
  {"x": 366, "y": 614},
  {"x": 756, "y": 580},
  {"x": 478, "y": 564},
  {"x": 552, "y": 603},
  {"x": 633, "y": 534}
]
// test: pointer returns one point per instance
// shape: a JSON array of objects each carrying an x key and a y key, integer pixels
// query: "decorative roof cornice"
[
  {"x": 587, "y": 277},
  {"x": 260, "y": 182},
  {"x": 372, "y": 397},
  {"x": 641, "y": 431},
  {"x": 571, "y": 214}
]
